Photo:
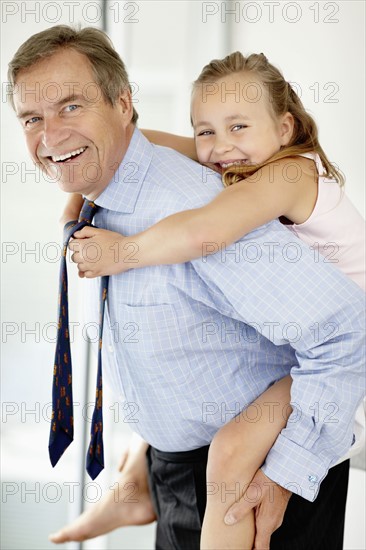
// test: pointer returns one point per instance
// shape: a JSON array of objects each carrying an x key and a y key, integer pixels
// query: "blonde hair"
[
  {"x": 282, "y": 98},
  {"x": 107, "y": 66}
]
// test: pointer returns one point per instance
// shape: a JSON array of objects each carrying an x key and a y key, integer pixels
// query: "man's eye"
[
  {"x": 70, "y": 108},
  {"x": 32, "y": 121}
]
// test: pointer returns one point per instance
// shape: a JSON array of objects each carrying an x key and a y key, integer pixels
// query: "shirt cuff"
[{"x": 295, "y": 468}]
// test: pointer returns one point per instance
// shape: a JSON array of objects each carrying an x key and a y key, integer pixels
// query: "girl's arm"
[
  {"x": 183, "y": 145},
  {"x": 72, "y": 208},
  {"x": 287, "y": 188}
]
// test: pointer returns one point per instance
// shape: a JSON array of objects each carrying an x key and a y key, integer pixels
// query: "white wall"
[
  {"x": 320, "y": 46},
  {"x": 165, "y": 44}
]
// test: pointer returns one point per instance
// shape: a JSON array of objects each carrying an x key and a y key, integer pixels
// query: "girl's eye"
[
  {"x": 205, "y": 133},
  {"x": 239, "y": 127}
]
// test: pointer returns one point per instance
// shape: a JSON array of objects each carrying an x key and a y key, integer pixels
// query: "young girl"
[{"x": 250, "y": 125}]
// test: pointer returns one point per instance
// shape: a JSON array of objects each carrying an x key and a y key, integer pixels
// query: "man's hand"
[
  {"x": 100, "y": 252},
  {"x": 270, "y": 502}
]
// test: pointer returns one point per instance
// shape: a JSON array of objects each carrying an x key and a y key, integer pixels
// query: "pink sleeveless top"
[{"x": 335, "y": 229}]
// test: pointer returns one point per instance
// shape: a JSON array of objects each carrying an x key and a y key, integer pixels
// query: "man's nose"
[{"x": 55, "y": 132}]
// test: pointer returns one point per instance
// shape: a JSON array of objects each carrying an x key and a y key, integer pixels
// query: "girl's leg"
[{"x": 237, "y": 451}]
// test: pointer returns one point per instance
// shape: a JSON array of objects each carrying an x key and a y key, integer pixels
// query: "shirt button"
[
  {"x": 110, "y": 349},
  {"x": 313, "y": 478}
]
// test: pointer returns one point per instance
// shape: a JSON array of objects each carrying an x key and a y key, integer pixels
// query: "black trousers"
[{"x": 178, "y": 488}]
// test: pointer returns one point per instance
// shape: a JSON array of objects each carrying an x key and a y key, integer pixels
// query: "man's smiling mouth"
[{"x": 67, "y": 156}]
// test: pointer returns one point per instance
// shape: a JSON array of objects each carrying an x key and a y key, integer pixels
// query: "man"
[{"x": 72, "y": 97}]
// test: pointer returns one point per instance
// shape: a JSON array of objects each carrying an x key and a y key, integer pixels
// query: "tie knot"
[
  {"x": 87, "y": 212},
  {"x": 85, "y": 218}
]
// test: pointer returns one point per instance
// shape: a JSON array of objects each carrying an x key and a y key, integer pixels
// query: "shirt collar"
[{"x": 122, "y": 192}]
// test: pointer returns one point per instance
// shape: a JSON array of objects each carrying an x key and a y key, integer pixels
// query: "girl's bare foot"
[{"x": 126, "y": 503}]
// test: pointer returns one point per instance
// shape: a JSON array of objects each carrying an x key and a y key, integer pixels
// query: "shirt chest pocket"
[{"x": 151, "y": 342}]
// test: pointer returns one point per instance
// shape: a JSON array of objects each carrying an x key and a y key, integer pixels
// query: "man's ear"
[
  {"x": 124, "y": 103},
  {"x": 287, "y": 124}
]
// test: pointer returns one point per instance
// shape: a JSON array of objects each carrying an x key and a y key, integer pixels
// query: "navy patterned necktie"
[{"x": 62, "y": 423}]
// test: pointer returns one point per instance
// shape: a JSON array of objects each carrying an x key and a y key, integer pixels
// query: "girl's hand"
[{"x": 100, "y": 252}]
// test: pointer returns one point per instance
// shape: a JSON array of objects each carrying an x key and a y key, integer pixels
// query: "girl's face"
[{"x": 233, "y": 123}]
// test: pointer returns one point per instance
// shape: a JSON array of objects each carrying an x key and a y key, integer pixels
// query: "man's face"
[{"x": 72, "y": 133}]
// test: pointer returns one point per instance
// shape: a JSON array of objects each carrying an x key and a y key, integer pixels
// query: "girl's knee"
[{"x": 223, "y": 456}]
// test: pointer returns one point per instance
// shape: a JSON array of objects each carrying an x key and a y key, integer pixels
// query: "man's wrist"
[{"x": 295, "y": 468}]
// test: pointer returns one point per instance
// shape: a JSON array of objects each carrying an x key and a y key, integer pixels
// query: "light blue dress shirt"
[{"x": 188, "y": 346}]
